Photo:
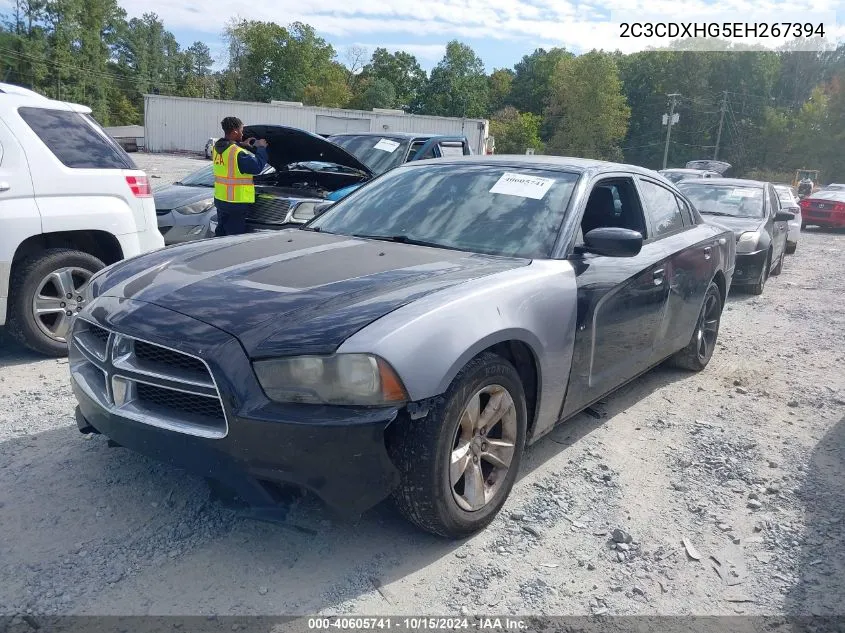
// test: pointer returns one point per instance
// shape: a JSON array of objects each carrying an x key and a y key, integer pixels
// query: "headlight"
[
  {"x": 747, "y": 242},
  {"x": 342, "y": 379},
  {"x": 197, "y": 207},
  {"x": 304, "y": 211}
]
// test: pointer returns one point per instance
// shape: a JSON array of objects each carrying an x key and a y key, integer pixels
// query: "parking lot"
[{"x": 730, "y": 482}]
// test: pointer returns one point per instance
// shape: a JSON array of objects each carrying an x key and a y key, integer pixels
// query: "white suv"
[{"x": 71, "y": 202}]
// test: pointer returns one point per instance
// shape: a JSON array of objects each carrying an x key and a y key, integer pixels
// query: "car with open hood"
[
  {"x": 408, "y": 342},
  {"x": 306, "y": 169},
  {"x": 752, "y": 210}
]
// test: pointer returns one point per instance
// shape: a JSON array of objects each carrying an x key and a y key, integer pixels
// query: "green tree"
[
  {"x": 532, "y": 81},
  {"x": 403, "y": 72},
  {"x": 588, "y": 110},
  {"x": 373, "y": 93},
  {"x": 516, "y": 132},
  {"x": 288, "y": 64},
  {"x": 500, "y": 82},
  {"x": 458, "y": 84}
]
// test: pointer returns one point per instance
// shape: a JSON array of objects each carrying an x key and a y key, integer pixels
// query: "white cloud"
[{"x": 423, "y": 52}]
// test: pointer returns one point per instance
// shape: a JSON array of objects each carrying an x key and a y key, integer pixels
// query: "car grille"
[
  {"x": 179, "y": 402},
  {"x": 146, "y": 382},
  {"x": 268, "y": 210}
]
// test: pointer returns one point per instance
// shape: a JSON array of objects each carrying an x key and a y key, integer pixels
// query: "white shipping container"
[{"x": 181, "y": 124}]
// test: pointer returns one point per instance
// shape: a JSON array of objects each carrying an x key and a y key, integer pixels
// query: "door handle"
[
  {"x": 5, "y": 186},
  {"x": 658, "y": 277},
  {"x": 707, "y": 251}
]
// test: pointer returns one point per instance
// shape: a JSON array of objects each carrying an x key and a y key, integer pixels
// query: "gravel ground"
[{"x": 709, "y": 494}]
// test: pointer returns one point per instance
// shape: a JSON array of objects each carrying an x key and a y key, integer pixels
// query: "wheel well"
[
  {"x": 100, "y": 244},
  {"x": 719, "y": 280},
  {"x": 522, "y": 358}
]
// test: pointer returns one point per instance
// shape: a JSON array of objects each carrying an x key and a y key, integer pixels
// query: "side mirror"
[
  {"x": 322, "y": 208},
  {"x": 784, "y": 216},
  {"x": 612, "y": 241}
]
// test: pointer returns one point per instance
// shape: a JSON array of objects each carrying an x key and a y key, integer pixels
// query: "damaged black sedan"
[{"x": 410, "y": 341}]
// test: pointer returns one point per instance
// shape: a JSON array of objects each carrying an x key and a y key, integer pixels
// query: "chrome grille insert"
[
  {"x": 146, "y": 382},
  {"x": 268, "y": 210}
]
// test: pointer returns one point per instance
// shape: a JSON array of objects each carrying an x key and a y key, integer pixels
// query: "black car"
[
  {"x": 752, "y": 210},
  {"x": 410, "y": 341}
]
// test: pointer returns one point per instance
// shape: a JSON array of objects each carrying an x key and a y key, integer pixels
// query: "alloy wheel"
[
  {"x": 708, "y": 327},
  {"x": 483, "y": 447},
  {"x": 58, "y": 298}
]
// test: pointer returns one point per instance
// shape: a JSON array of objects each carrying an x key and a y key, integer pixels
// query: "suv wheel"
[{"x": 47, "y": 291}]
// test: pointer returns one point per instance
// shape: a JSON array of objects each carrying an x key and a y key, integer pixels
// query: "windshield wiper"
[
  {"x": 721, "y": 213},
  {"x": 403, "y": 239}
]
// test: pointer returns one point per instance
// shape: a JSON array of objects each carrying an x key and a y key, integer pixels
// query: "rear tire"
[
  {"x": 39, "y": 275},
  {"x": 699, "y": 350},
  {"x": 450, "y": 484}
]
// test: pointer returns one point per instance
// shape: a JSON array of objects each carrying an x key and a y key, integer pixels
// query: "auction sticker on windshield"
[
  {"x": 745, "y": 193},
  {"x": 386, "y": 145},
  {"x": 511, "y": 184}
]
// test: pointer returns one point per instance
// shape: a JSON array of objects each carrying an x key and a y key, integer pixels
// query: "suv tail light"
[
  {"x": 839, "y": 208},
  {"x": 140, "y": 186},
  {"x": 804, "y": 204}
]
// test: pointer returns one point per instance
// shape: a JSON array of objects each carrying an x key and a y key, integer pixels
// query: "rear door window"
[
  {"x": 76, "y": 140},
  {"x": 662, "y": 206}
]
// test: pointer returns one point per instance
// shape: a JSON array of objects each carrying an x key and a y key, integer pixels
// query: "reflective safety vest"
[{"x": 230, "y": 184}]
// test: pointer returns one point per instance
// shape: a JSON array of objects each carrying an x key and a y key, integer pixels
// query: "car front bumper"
[
  {"x": 749, "y": 268},
  {"x": 179, "y": 227},
  {"x": 337, "y": 453}
]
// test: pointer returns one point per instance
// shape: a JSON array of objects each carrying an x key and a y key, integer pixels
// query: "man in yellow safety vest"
[{"x": 234, "y": 166}]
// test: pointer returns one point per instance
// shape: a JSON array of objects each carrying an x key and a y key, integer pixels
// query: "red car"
[{"x": 824, "y": 208}]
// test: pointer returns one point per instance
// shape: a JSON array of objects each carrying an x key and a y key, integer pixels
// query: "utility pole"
[
  {"x": 721, "y": 121},
  {"x": 669, "y": 121}
]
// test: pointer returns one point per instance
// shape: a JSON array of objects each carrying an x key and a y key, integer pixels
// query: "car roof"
[
  {"x": 17, "y": 96},
  {"x": 739, "y": 182},
  {"x": 386, "y": 135},
  {"x": 560, "y": 163}
]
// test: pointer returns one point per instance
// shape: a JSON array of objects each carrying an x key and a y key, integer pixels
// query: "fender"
[{"x": 428, "y": 341}]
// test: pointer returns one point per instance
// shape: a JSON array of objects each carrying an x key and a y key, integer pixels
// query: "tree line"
[{"x": 769, "y": 112}]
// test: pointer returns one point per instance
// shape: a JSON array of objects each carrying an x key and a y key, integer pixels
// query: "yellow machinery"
[{"x": 801, "y": 174}]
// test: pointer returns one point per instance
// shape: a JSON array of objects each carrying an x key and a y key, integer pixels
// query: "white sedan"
[{"x": 789, "y": 202}]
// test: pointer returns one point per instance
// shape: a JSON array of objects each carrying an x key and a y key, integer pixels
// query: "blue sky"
[{"x": 500, "y": 31}]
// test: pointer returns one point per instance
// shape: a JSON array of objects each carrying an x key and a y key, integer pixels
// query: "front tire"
[
  {"x": 791, "y": 247},
  {"x": 779, "y": 268},
  {"x": 459, "y": 463},
  {"x": 757, "y": 289},
  {"x": 699, "y": 350},
  {"x": 46, "y": 292}
]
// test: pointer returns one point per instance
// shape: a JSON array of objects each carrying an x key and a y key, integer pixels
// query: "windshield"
[
  {"x": 379, "y": 153},
  {"x": 677, "y": 176},
  {"x": 785, "y": 195},
  {"x": 832, "y": 194},
  {"x": 497, "y": 210},
  {"x": 201, "y": 178},
  {"x": 728, "y": 200},
  {"x": 205, "y": 177}
]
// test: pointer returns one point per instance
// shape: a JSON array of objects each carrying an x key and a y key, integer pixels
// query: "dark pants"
[{"x": 231, "y": 217}]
